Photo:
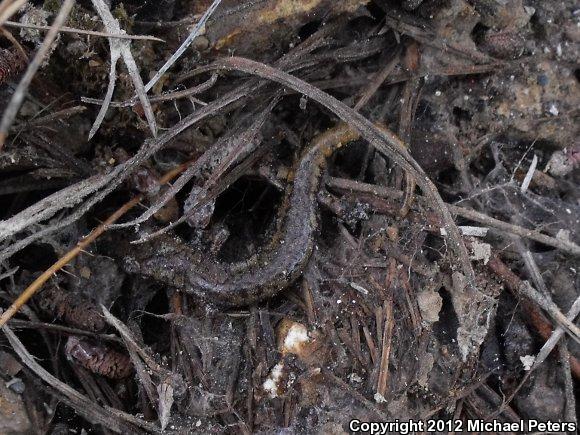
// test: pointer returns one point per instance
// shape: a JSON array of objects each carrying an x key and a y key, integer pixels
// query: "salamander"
[{"x": 275, "y": 266}]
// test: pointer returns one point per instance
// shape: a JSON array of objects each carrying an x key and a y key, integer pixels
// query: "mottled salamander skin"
[{"x": 275, "y": 266}]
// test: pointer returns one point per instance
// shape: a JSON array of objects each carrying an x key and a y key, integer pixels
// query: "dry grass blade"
[
  {"x": 377, "y": 81},
  {"x": 146, "y": 366},
  {"x": 114, "y": 58},
  {"x": 49, "y": 206},
  {"x": 532, "y": 267},
  {"x": 570, "y": 410},
  {"x": 120, "y": 48},
  {"x": 61, "y": 114},
  {"x": 383, "y": 140},
  {"x": 141, "y": 361},
  {"x": 194, "y": 33},
  {"x": 39, "y": 282},
  {"x": 65, "y": 29},
  {"x": 387, "y": 325},
  {"x": 556, "y": 336},
  {"x": 169, "y": 96},
  {"x": 20, "y": 92}
]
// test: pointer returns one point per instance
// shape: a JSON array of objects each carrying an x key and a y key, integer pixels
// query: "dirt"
[{"x": 381, "y": 322}]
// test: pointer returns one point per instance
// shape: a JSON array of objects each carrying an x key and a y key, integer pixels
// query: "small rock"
[
  {"x": 430, "y": 303},
  {"x": 16, "y": 385},
  {"x": 379, "y": 398},
  {"x": 543, "y": 80},
  {"x": 527, "y": 361},
  {"x": 480, "y": 251},
  {"x": 559, "y": 164}
]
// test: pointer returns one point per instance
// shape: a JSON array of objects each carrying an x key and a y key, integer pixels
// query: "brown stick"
[
  {"x": 534, "y": 316},
  {"x": 382, "y": 383}
]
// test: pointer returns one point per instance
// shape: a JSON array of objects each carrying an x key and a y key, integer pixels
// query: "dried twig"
[
  {"x": 377, "y": 81},
  {"x": 536, "y": 275},
  {"x": 476, "y": 216},
  {"x": 146, "y": 366},
  {"x": 570, "y": 410},
  {"x": 532, "y": 267},
  {"x": 355, "y": 394},
  {"x": 519, "y": 287},
  {"x": 534, "y": 316},
  {"x": 169, "y": 96},
  {"x": 194, "y": 33},
  {"x": 65, "y": 29},
  {"x": 551, "y": 308},
  {"x": 120, "y": 48},
  {"x": 8, "y": 273},
  {"x": 61, "y": 114},
  {"x": 458, "y": 395},
  {"x": 529, "y": 174},
  {"x": 411, "y": 95},
  {"x": 18, "y": 97},
  {"x": 371, "y": 344},
  {"x": 28, "y": 324},
  {"x": 308, "y": 300},
  {"x": 387, "y": 325},
  {"x": 139, "y": 357}
]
